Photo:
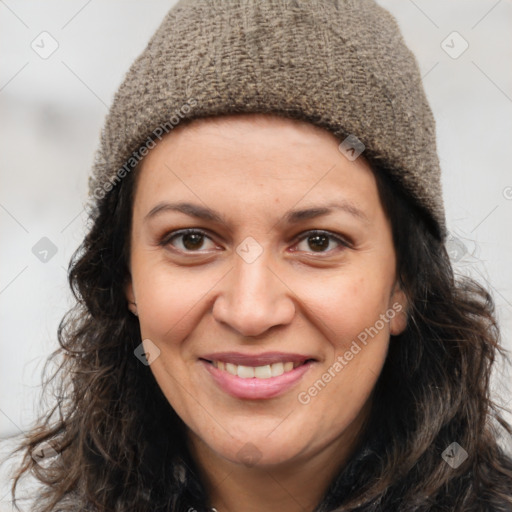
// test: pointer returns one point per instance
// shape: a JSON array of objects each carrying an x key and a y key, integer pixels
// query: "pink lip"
[
  {"x": 256, "y": 360},
  {"x": 256, "y": 388}
]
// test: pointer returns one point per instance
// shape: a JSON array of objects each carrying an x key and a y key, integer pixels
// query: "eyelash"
[{"x": 166, "y": 239}]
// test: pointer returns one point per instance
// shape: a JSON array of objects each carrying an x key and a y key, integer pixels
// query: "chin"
[{"x": 256, "y": 451}]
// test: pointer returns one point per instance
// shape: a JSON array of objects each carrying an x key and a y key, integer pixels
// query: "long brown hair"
[{"x": 118, "y": 438}]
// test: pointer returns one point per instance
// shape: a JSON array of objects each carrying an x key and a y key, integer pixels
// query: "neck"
[{"x": 293, "y": 486}]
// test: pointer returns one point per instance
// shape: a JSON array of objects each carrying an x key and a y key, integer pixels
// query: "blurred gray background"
[{"x": 61, "y": 64}]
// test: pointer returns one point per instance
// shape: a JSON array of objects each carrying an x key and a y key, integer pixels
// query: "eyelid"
[
  {"x": 165, "y": 240},
  {"x": 334, "y": 236}
]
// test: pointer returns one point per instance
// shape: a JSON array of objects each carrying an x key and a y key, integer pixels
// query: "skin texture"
[{"x": 301, "y": 295}]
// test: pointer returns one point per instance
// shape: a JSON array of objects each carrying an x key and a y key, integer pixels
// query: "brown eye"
[
  {"x": 320, "y": 241},
  {"x": 191, "y": 240}
]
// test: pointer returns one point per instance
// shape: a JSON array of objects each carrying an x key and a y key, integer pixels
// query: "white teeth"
[
  {"x": 260, "y": 372},
  {"x": 231, "y": 368},
  {"x": 263, "y": 372},
  {"x": 246, "y": 372},
  {"x": 277, "y": 369}
]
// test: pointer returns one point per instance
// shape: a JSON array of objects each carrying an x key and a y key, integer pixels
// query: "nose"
[{"x": 253, "y": 298}]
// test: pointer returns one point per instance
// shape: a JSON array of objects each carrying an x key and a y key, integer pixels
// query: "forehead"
[{"x": 257, "y": 160}]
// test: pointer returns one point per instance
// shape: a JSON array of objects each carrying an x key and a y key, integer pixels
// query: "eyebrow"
[{"x": 291, "y": 217}]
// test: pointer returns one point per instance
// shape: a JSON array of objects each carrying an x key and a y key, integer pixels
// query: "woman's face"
[{"x": 254, "y": 285}]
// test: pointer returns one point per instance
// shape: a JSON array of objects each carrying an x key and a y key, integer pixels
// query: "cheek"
[
  {"x": 352, "y": 310},
  {"x": 348, "y": 304},
  {"x": 170, "y": 299},
  {"x": 349, "y": 314},
  {"x": 163, "y": 296}
]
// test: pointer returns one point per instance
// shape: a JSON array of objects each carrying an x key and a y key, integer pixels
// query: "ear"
[
  {"x": 130, "y": 296},
  {"x": 399, "y": 304}
]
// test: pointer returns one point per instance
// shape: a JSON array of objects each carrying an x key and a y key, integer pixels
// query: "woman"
[{"x": 267, "y": 317}]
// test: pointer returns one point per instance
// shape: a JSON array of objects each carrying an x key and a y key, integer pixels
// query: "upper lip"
[{"x": 262, "y": 359}]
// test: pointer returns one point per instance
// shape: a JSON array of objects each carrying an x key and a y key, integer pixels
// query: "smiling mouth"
[{"x": 257, "y": 372}]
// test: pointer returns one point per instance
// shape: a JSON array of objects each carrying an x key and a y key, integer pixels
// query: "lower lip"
[{"x": 255, "y": 388}]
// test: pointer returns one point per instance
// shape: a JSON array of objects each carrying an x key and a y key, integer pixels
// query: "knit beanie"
[{"x": 339, "y": 64}]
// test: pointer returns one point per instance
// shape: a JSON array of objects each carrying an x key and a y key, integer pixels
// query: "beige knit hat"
[{"x": 339, "y": 64}]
